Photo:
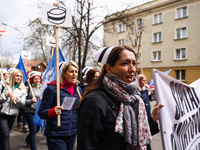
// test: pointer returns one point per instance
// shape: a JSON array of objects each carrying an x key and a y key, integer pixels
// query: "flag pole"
[
  {"x": 52, "y": 51},
  {"x": 6, "y": 84},
  {"x": 138, "y": 50},
  {"x": 138, "y": 41},
  {"x": 57, "y": 74}
]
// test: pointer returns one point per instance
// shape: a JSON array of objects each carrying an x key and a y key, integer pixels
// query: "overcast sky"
[{"x": 17, "y": 13}]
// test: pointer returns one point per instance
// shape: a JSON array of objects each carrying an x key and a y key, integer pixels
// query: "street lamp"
[{"x": 18, "y": 31}]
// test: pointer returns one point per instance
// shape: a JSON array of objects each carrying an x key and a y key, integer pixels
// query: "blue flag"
[
  {"x": 21, "y": 67},
  {"x": 48, "y": 76},
  {"x": 151, "y": 83}
]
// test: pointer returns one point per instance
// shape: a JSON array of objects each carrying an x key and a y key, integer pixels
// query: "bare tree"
[
  {"x": 7, "y": 60},
  {"x": 80, "y": 35},
  {"x": 36, "y": 39},
  {"x": 78, "y": 44}
]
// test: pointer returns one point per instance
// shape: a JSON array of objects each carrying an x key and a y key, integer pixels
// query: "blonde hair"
[
  {"x": 140, "y": 77},
  {"x": 65, "y": 68},
  {"x": 12, "y": 80}
]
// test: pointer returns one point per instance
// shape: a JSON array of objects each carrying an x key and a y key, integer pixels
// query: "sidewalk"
[{"x": 156, "y": 143}]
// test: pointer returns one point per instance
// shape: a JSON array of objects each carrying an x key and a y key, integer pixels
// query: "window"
[
  {"x": 122, "y": 27},
  {"x": 121, "y": 42},
  {"x": 137, "y": 73},
  {"x": 180, "y": 75},
  {"x": 135, "y": 41},
  {"x": 157, "y": 37},
  {"x": 139, "y": 57},
  {"x": 181, "y": 33},
  {"x": 158, "y": 18},
  {"x": 139, "y": 22},
  {"x": 181, "y": 53},
  {"x": 181, "y": 12},
  {"x": 156, "y": 55}
]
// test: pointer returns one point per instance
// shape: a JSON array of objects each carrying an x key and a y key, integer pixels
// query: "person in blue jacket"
[
  {"x": 61, "y": 137},
  {"x": 146, "y": 94}
]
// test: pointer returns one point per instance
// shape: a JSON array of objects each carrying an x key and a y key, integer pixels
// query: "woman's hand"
[
  {"x": 58, "y": 109},
  {"x": 155, "y": 112},
  {"x": 9, "y": 94},
  {"x": 151, "y": 91},
  {"x": 34, "y": 99}
]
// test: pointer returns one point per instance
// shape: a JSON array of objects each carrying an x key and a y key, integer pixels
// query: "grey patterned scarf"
[{"x": 132, "y": 118}]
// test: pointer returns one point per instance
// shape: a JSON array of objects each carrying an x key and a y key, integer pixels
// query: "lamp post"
[{"x": 18, "y": 31}]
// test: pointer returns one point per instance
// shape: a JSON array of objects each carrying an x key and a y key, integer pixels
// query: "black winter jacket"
[
  {"x": 30, "y": 106},
  {"x": 96, "y": 128}
]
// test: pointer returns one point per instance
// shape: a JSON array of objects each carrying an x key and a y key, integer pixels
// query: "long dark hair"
[
  {"x": 90, "y": 75},
  {"x": 112, "y": 58}
]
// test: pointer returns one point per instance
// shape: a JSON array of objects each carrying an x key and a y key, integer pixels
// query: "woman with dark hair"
[
  {"x": 92, "y": 75},
  {"x": 61, "y": 137},
  {"x": 112, "y": 115},
  {"x": 10, "y": 101},
  {"x": 83, "y": 84},
  {"x": 31, "y": 104}
]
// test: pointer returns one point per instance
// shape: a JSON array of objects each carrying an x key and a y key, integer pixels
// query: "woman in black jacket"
[
  {"x": 31, "y": 104},
  {"x": 112, "y": 115}
]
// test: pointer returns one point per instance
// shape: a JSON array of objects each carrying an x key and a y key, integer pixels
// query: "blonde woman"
[
  {"x": 10, "y": 100},
  {"x": 61, "y": 137}
]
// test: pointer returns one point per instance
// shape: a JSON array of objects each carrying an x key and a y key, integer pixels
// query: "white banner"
[{"x": 180, "y": 118}]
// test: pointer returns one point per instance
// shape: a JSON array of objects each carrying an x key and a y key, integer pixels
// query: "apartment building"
[{"x": 170, "y": 33}]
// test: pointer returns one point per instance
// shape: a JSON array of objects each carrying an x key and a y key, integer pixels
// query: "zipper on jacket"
[
  {"x": 10, "y": 106},
  {"x": 71, "y": 123}
]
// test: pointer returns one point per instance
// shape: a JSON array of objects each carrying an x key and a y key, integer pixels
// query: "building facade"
[
  {"x": 170, "y": 37},
  {"x": 34, "y": 65}
]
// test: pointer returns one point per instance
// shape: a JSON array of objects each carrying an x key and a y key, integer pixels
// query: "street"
[{"x": 17, "y": 139}]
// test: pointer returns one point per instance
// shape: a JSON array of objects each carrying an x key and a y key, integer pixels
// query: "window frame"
[
  {"x": 140, "y": 23},
  {"x": 181, "y": 53},
  {"x": 181, "y": 33},
  {"x": 119, "y": 42},
  {"x": 161, "y": 39},
  {"x": 157, "y": 55},
  {"x": 139, "y": 58},
  {"x": 180, "y": 74},
  {"x": 154, "y": 20},
  {"x": 122, "y": 27},
  {"x": 182, "y": 7}
]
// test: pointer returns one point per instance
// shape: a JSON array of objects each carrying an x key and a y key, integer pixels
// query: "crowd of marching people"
[{"x": 109, "y": 110}]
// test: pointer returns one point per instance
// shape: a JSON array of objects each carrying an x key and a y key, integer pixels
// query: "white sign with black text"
[{"x": 180, "y": 117}]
